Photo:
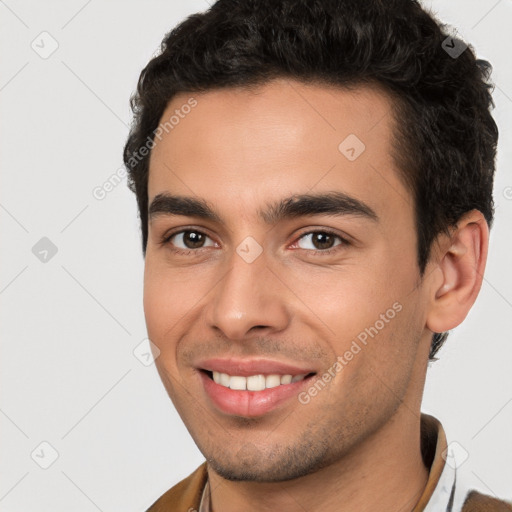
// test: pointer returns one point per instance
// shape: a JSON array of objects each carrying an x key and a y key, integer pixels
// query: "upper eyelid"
[
  {"x": 179, "y": 231},
  {"x": 329, "y": 231}
]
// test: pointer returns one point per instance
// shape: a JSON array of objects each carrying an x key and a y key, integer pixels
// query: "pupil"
[
  {"x": 193, "y": 239},
  {"x": 324, "y": 240}
]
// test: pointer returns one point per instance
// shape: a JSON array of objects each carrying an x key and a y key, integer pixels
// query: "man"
[{"x": 314, "y": 181}]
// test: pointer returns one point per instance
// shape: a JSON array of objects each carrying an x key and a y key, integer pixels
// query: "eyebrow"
[{"x": 298, "y": 205}]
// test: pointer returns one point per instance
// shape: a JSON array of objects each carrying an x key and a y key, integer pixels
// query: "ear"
[{"x": 459, "y": 269}]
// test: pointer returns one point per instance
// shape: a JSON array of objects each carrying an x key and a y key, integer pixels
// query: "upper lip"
[{"x": 248, "y": 367}]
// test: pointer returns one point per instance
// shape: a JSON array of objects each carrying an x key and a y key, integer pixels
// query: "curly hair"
[{"x": 444, "y": 140}]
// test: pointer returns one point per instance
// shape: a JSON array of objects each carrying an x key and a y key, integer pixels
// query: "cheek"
[
  {"x": 171, "y": 298},
  {"x": 364, "y": 310},
  {"x": 349, "y": 298},
  {"x": 376, "y": 358},
  {"x": 166, "y": 293},
  {"x": 162, "y": 310},
  {"x": 154, "y": 306},
  {"x": 163, "y": 313}
]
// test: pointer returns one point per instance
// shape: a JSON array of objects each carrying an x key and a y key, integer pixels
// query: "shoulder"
[
  {"x": 477, "y": 502},
  {"x": 185, "y": 495}
]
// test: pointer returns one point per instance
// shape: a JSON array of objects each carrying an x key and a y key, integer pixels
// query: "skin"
[{"x": 239, "y": 150}]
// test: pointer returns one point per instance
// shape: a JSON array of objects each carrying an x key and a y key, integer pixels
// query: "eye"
[
  {"x": 320, "y": 241},
  {"x": 188, "y": 239}
]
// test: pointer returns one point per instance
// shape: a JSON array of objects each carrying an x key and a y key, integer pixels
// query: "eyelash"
[{"x": 316, "y": 252}]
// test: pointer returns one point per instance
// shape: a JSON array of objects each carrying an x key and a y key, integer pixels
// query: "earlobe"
[{"x": 460, "y": 265}]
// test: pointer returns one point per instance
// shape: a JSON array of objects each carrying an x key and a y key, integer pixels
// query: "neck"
[{"x": 388, "y": 464}]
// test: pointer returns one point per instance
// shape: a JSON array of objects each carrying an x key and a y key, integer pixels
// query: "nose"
[{"x": 248, "y": 299}]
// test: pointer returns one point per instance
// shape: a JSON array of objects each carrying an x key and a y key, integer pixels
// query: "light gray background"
[{"x": 69, "y": 325}]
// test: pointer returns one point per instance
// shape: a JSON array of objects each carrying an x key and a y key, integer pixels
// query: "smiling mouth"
[{"x": 258, "y": 382}]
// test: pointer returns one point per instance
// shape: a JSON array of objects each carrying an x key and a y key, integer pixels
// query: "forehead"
[{"x": 237, "y": 146}]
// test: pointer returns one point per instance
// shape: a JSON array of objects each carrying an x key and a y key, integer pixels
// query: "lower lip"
[{"x": 250, "y": 403}]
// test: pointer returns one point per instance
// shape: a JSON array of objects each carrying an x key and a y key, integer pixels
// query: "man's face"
[{"x": 255, "y": 295}]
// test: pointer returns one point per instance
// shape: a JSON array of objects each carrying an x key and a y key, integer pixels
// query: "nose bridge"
[{"x": 246, "y": 296}]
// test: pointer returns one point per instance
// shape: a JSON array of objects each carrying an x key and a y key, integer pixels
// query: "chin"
[
  {"x": 259, "y": 474},
  {"x": 282, "y": 465}
]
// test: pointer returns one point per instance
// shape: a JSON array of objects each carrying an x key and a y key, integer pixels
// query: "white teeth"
[
  {"x": 224, "y": 380},
  {"x": 239, "y": 383},
  {"x": 272, "y": 381},
  {"x": 286, "y": 379},
  {"x": 254, "y": 382}
]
